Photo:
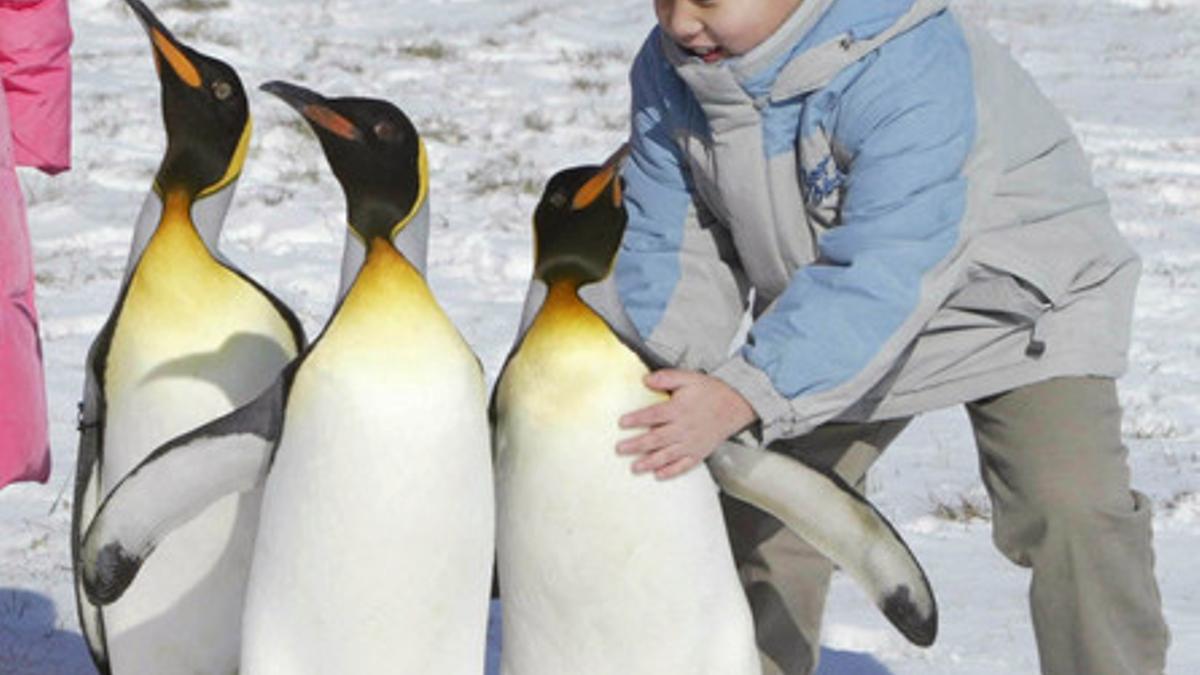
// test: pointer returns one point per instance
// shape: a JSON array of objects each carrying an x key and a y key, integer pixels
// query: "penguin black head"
[
  {"x": 375, "y": 153},
  {"x": 579, "y": 222},
  {"x": 205, "y": 112}
]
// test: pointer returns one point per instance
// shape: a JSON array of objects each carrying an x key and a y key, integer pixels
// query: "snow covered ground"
[{"x": 508, "y": 92}]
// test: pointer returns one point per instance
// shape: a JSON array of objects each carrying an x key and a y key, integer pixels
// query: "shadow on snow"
[
  {"x": 32, "y": 641},
  {"x": 833, "y": 662}
]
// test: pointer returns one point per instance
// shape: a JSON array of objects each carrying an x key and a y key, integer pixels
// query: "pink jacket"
[{"x": 35, "y": 130}]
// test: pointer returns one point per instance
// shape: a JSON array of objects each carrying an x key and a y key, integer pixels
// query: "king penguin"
[
  {"x": 375, "y": 543},
  {"x": 602, "y": 571},
  {"x": 190, "y": 338}
]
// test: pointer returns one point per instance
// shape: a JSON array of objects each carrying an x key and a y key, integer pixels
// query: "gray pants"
[{"x": 1055, "y": 469}]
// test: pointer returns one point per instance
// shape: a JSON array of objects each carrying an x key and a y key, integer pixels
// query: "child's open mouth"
[{"x": 709, "y": 54}]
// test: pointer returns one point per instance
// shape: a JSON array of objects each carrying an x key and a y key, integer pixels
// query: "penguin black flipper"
[
  {"x": 835, "y": 519},
  {"x": 174, "y": 483}
]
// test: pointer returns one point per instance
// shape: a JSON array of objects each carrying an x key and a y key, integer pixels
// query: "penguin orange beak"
[
  {"x": 166, "y": 48},
  {"x": 591, "y": 190},
  {"x": 315, "y": 109}
]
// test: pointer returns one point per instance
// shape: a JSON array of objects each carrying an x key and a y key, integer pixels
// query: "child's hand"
[{"x": 702, "y": 412}]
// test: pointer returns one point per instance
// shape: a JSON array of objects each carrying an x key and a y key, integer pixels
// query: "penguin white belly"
[
  {"x": 376, "y": 538},
  {"x": 603, "y": 571},
  {"x": 189, "y": 346}
]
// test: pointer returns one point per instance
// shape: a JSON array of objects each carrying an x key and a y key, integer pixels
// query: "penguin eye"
[
  {"x": 386, "y": 131},
  {"x": 222, "y": 90},
  {"x": 558, "y": 200}
]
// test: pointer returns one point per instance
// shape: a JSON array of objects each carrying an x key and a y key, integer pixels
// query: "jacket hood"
[{"x": 814, "y": 44}]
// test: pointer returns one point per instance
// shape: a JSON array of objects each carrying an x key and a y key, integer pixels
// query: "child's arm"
[
  {"x": 907, "y": 126},
  {"x": 842, "y": 324},
  {"x": 671, "y": 260},
  {"x": 685, "y": 429},
  {"x": 673, "y": 257}
]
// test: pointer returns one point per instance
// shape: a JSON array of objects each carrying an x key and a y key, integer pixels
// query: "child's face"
[{"x": 716, "y": 29}]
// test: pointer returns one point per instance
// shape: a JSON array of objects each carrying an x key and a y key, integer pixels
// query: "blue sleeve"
[
  {"x": 677, "y": 273},
  {"x": 907, "y": 124},
  {"x": 657, "y": 195}
]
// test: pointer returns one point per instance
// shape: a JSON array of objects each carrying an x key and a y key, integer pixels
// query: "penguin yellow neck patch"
[
  {"x": 176, "y": 219},
  {"x": 387, "y": 323},
  {"x": 235, "y": 163},
  {"x": 180, "y": 63},
  {"x": 569, "y": 366},
  {"x": 422, "y": 189},
  {"x": 190, "y": 329},
  {"x": 564, "y": 314}
]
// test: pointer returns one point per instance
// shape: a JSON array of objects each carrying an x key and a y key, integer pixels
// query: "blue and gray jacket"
[{"x": 908, "y": 221}]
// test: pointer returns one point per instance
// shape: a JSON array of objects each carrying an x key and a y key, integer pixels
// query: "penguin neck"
[
  {"x": 568, "y": 342},
  {"x": 562, "y": 293},
  {"x": 411, "y": 241},
  {"x": 207, "y": 216},
  {"x": 388, "y": 301},
  {"x": 176, "y": 266},
  {"x": 175, "y": 246},
  {"x": 175, "y": 225},
  {"x": 385, "y": 273},
  {"x": 381, "y": 253},
  {"x": 563, "y": 310}
]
